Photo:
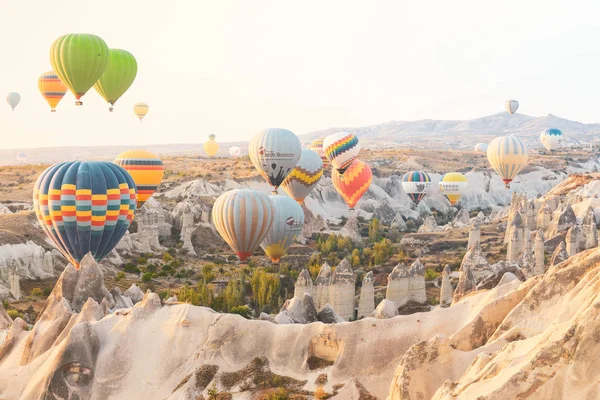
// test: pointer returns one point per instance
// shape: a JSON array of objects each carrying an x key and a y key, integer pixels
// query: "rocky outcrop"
[
  {"x": 328, "y": 316},
  {"x": 384, "y": 213},
  {"x": 562, "y": 219},
  {"x": 23, "y": 261},
  {"x": 313, "y": 223},
  {"x": 397, "y": 287},
  {"x": 301, "y": 310},
  {"x": 446, "y": 292},
  {"x": 399, "y": 223},
  {"x": 385, "y": 309},
  {"x": 474, "y": 234},
  {"x": 466, "y": 283},
  {"x": 544, "y": 217},
  {"x": 351, "y": 229},
  {"x": 527, "y": 263},
  {"x": 134, "y": 293},
  {"x": 429, "y": 226},
  {"x": 539, "y": 249},
  {"x": 572, "y": 241},
  {"x": 322, "y": 284},
  {"x": 366, "y": 302},
  {"x": 559, "y": 255},
  {"x": 476, "y": 261},
  {"x": 304, "y": 284},
  {"x": 341, "y": 291},
  {"x": 416, "y": 283}
]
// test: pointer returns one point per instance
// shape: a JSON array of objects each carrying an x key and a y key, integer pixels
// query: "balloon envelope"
[
  {"x": 274, "y": 153},
  {"x": 84, "y": 207},
  {"x": 354, "y": 183},
  {"x": 13, "y": 99},
  {"x": 304, "y": 177},
  {"x": 140, "y": 109},
  {"x": 341, "y": 150},
  {"x": 211, "y": 147},
  {"x": 117, "y": 77},
  {"x": 235, "y": 151},
  {"x": 481, "y": 147},
  {"x": 453, "y": 185},
  {"x": 507, "y": 155},
  {"x": 511, "y": 106},
  {"x": 287, "y": 225},
  {"x": 317, "y": 147},
  {"x": 145, "y": 168},
  {"x": 52, "y": 89},
  {"x": 416, "y": 184},
  {"x": 79, "y": 59},
  {"x": 243, "y": 218},
  {"x": 21, "y": 156},
  {"x": 551, "y": 138}
]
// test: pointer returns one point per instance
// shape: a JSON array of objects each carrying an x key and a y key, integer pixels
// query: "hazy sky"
[{"x": 234, "y": 67}]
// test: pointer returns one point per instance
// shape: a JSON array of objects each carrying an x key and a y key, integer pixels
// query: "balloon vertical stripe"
[{"x": 507, "y": 156}]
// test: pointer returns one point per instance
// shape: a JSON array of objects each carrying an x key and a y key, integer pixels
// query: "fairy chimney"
[{"x": 366, "y": 302}]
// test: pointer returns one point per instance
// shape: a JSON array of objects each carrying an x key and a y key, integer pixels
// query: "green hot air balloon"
[
  {"x": 79, "y": 59},
  {"x": 117, "y": 77}
]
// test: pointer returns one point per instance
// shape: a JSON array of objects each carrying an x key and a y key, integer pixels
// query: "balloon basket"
[
  {"x": 79, "y": 103},
  {"x": 53, "y": 110},
  {"x": 110, "y": 109}
]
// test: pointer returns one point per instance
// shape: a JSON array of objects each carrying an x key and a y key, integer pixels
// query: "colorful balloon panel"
[
  {"x": 551, "y": 138},
  {"x": 511, "y": 106},
  {"x": 453, "y": 185},
  {"x": 243, "y": 218},
  {"x": 140, "y": 109},
  {"x": 354, "y": 183},
  {"x": 52, "y": 89},
  {"x": 317, "y": 147},
  {"x": 274, "y": 152},
  {"x": 304, "y": 177},
  {"x": 118, "y": 76},
  {"x": 287, "y": 225},
  {"x": 507, "y": 155},
  {"x": 79, "y": 59},
  {"x": 145, "y": 168},
  {"x": 341, "y": 149},
  {"x": 84, "y": 207},
  {"x": 416, "y": 184}
]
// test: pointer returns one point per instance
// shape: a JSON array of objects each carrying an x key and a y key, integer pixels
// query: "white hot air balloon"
[
  {"x": 13, "y": 99},
  {"x": 481, "y": 147},
  {"x": 511, "y": 106},
  {"x": 235, "y": 151},
  {"x": 287, "y": 225},
  {"x": 551, "y": 138}
]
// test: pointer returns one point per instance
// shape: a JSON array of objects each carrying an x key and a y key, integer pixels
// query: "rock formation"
[
  {"x": 429, "y": 225},
  {"x": 385, "y": 309},
  {"x": 474, "y": 234},
  {"x": 527, "y": 263},
  {"x": 446, "y": 292},
  {"x": 341, "y": 291},
  {"x": 539, "y": 253},
  {"x": 399, "y": 223},
  {"x": 416, "y": 283},
  {"x": 313, "y": 223},
  {"x": 513, "y": 250},
  {"x": 300, "y": 309},
  {"x": 476, "y": 261},
  {"x": 14, "y": 284},
  {"x": 351, "y": 229},
  {"x": 397, "y": 288},
  {"x": 572, "y": 241},
  {"x": 366, "y": 302},
  {"x": 466, "y": 283},
  {"x": 562, "y": 219},
  {"x": 322, "y": 285},
  {"x": 544, "y": 217},
  {"x": 589, "y": 230},
  {"x": 304, "y": 284},
  {"x": 559, "y": 255}
]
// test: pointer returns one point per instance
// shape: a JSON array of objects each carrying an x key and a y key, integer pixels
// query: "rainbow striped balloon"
[
  {"x": 304, "y": 177},
  {"x": 507, "y": 155},
  {"x": 52, "y": 89},
  {"x": 146, "y": 169},
  {"x": 416, "y": 184},
  {"x": 341, "y": 150},
  {"x": 243, "y": 217},
  {"x": 354, "y": 183},
  {"x": 84, "y": 207},
  {"x": 317, "y": 147}
]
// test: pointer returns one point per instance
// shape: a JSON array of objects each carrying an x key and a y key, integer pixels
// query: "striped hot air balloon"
[
  {"x": 416, "y": 184},
  {"x": 243, "y": 218},
  {"x": 146, "y": 169},
  {"x": 341, "y": 150},
  {"x": 52, "y": 89},
  {"x": 304, "y": 177},
  {"x": 511, "y": 106},
  {"x": 317, "y": 147},
  {"x": 507, "y": 155},
  {"x": 274, "y": 152},
  {"x": 140, "y": 109},
  {"x": 84, "y": 207},
  {"x": 354, "y": 183},
  {"x": 287, "y": 225},
  {"x": 453, "y": 185}
]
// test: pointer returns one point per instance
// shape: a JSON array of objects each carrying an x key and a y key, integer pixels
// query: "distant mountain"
[{"x": 464, "y": 134}]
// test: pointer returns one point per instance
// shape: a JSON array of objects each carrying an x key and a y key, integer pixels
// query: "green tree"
[
  {"x": 374, "y": 234},
  {"x": 355, "y": 258}
]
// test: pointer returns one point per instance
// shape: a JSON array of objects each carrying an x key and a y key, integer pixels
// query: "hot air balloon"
[
  {"x": 416, "y": 184},
  {"x": 551, "y": 138},
  {"x": 243, "y": 218},
  {"x": 117, "y": 77},
  {"x": 304, "y": 177},
  {"x": 210, "y": 146},
  {"x": 507, "y": 156},
  {"x": 287, "y": 225},
  {"x": 84, "y": 207},
  {"x": 140, "y": 109},
  {"x": 13, "y": 99},
  {"x": 341, "y": 150},
  {"x": 481, "y": 147},
  {"x": 511, "y": 106},
  {"x": 453, "y": 185},
  {"x": 354, "y": 183},
  {"x": 235, "y": 151},
  {"x": 274, "y": 153},
  {"x": 52, "y": 89},
  {"x": 145, "y": 168},
  {"x": 317, "y": 147},
  {"x": 79, "y": 59},
  {"x": 21, "y": 156}
]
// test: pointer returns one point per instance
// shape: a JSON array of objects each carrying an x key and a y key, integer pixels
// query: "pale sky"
[{"x": 234, "y": 67}]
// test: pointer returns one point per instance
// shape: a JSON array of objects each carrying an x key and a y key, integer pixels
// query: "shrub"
[
  {"x": 120, "y": 276},
  {"x": 47, "y": 290},
  {"x": 147, "y": 277},
  {"x": 14, "y": 314},
  {"x": 37, "y": 292},
  {"x": 430, "y": 274},
  {"x": 131, "y": 268},
  {"x": 142, "y": 260},
  {"x": 244, "y": 311}
]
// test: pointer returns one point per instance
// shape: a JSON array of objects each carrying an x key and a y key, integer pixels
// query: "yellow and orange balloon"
[
  {"x": 355, "y": 181},
  {"x": 52, "y": 89},
  {"x": 145, "y": 168}
]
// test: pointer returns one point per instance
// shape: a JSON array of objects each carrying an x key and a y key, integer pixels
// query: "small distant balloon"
[
  {"x": 211, "y": 147},
  {"x": 13, "y": 99},
  {"x": 140, "y": 109},
  {"x": 551, "y": 138},
  {"x": 481, "y": 147},
  {"x": 235, "y": 151},
  {"x": 21, "y": 156},
  {"x": 511, "y": 106}
]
